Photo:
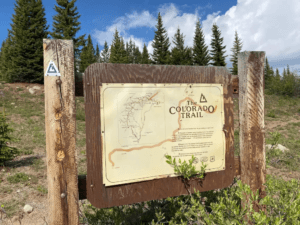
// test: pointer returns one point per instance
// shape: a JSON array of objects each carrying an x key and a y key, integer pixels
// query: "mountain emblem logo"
[
  {"x": 52, "y": 70},
  {"x": 202, "y": 98}
]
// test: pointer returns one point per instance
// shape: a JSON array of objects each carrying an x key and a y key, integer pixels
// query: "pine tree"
[
  {"x": 200, "y": 52},
  {"x": 88, "y": 55},
  {"x": 130, "y": 51},
  {"x": 161, "y": 54},
  {"x": 123, "y": 58},
  {"x": 188, "y": 57},
  {"x": 137, "y": 55},
  {"x": 288, "y": 70},
  {"x": 267, "y": 74},
  {"x": 5, "y": 60},
  {"x": 127, "y": 52},
  {"x": 237, "y": 47},
  {"x": 25, "y": 49},
  {"x": 118, "y": 52},
  {"x": 284, "y": 73},
  {"x": 66, "y": 26},
  {"x": 105, "y": 55},
  {"x": 276, "y": 83},
  {"x": 180, "y": 55},
  {"x": 145, "y": 56},
  {"x": 97, "y": 54},
  {"x": 217, "y": 53}
]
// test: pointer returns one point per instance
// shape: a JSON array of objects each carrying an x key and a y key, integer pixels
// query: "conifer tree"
[
  {"x": 105, "y": 55},
  {"x": 25, "y": 47},
  {"x": 127, "y": 52},
  {"x": 118, "y": 52},
  {"x": 130, "y": 51},
  {"x": 5, "y": 60},
  {"x": 284, "y": 73},
  {"x": 145, "y": 56},
  {"x": 66, "y": 26},
  {"x": 200, "y": 52},
  {"x": 88, "y": 55},
  {"x": 217, "y": 53},
  {"x": 188, "y": 56},
  {"x": 97, "y": 54},
  {"x": 288, "y": 70},
  {"x": 180, "y": 55},
  {"x": 237, "y": 47},
  {"x": 267, "y": 74},
  {"x": 160, "y": 44},
  {"x": 123, "y": 58},
  {"x": 276, "y": 84},
  {"x": 137, "y": 55}
]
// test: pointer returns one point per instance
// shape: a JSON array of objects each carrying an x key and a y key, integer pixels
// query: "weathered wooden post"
[
  {"x": 251, "y": 114},
  {"x": 60, "y": 123}
]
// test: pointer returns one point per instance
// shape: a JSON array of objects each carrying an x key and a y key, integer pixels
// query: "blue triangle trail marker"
[{"x": 52, "y": 70}]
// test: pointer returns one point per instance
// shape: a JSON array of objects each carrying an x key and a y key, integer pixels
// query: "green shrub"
[
  {"x": 275, "y": 138},
  {"x": 42, "y": 189},
  {"x": 224, "y": 207},
  {"x": 6, "y": 153},
  {"x": 17, "y": 178},
  {"x": 271, "y": 114}
]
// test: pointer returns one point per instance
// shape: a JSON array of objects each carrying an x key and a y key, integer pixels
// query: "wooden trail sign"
[
  {"x": 64, "y": 189},
  {"x": 103, "y": 196},
  {"x": 60, "y": 123}
]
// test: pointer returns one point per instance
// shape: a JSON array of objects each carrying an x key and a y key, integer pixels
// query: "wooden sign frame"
[{"x": 98, "y": 73}]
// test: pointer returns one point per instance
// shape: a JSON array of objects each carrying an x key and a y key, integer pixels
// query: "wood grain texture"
[
  {"x": 98, "y": 73},
  {"x": 60, "y": 124},
  {"x": 251, "y": 115}
]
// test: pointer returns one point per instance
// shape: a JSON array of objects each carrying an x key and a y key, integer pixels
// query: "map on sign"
[
  {"x": 141, "y": 123},
  {"x": 134, "y": 112}
]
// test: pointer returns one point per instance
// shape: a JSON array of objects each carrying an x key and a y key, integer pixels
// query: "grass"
[{"x": 27, "y": 171}]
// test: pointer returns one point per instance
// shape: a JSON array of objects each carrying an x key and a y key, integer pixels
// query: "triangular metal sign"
[{"x": 52, "y": 70}]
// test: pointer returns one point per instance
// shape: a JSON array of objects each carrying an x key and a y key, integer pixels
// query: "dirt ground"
[{"x": 39, "y": 202}]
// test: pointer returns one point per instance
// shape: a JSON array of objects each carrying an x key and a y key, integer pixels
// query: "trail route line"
[{"x": 158, "y": 144}]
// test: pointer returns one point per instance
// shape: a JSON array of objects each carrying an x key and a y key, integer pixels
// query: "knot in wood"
[
  {"x": 58, "y": 81},
  {"x": 255, "y": 82}
]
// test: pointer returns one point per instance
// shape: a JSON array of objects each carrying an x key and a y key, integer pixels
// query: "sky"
[{"x": 272, "y": 26}]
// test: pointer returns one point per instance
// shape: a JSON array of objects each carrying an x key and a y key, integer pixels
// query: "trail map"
[{"x": 141, "y": 123}]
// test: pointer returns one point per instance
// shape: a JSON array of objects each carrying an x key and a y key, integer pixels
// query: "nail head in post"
[
  {"x": 92, "y": 185},
  {"x": 58, "y": 81},
  {"x": 88, "y": 83},
  {"x": 63, "y": 195}
]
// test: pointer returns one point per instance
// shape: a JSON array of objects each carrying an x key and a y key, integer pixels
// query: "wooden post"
[
  {"x": 60, "y": 123},
  {"x": 251, "y": 114}
]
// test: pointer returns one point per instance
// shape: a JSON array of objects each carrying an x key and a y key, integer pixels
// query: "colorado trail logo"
[{"x": 202, "y": 98}]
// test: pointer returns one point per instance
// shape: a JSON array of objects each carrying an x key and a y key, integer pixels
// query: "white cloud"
[{"x": 269, "y": 25}]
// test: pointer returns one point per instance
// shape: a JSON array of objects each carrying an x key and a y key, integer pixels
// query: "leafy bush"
[
  {"x": 6, "y": 153},
  {"x": 275, "y": 138},
  {"x": 271, "y": 114},
  {"x": 224, "y": 207},
  {"x": 17, "y": 178}
]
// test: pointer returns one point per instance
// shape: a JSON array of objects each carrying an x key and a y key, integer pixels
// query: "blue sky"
[{"x": 272, "y": 26}]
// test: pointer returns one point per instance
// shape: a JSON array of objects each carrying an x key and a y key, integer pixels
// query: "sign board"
[
  {"x": 141, "y": 123},
  {"x": 109, "y": 92}
]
